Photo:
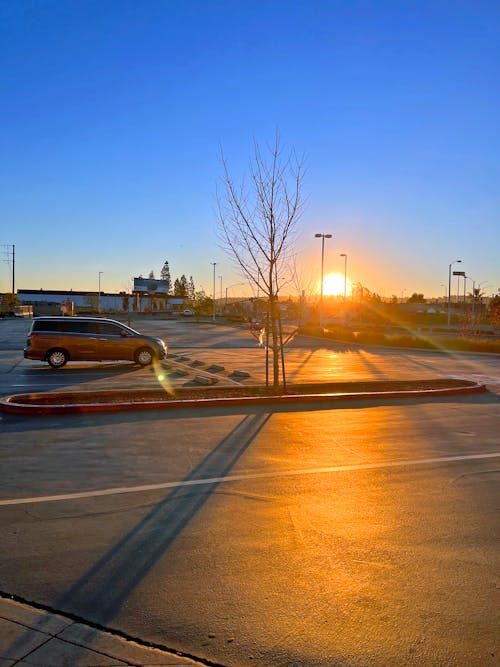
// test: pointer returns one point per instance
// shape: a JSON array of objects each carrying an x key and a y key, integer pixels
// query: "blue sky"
[{"x": 113, "y": 114}]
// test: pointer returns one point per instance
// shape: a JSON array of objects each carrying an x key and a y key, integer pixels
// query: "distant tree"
[
  {"x": 416, "y": 298},
  {"x": 190, "y": 288},
  {"x": 476, "y": 295},
  {"x": 151, "y": 275},
  {"x": 165, "y": 275},
  {"x": 375, "y": 298},
  {"x": 125, "y": 303},
  {"x": 181, "y": 286},
  {"x": 202, "y": 304},
  {"x": 9, "y": 302},
  {"x": 494, "y": 311}
]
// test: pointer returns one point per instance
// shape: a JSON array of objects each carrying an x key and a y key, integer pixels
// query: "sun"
[{"x": 333, "y": 285}]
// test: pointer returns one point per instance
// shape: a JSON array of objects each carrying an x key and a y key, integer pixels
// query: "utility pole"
[
  {"x": 13, "y": 269},
  {"x": 10, "y": 250}
]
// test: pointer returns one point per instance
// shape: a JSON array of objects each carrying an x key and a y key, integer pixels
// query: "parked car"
[
  {"x": 187, "y": 312},
  {"x": 58, "y": 340}
]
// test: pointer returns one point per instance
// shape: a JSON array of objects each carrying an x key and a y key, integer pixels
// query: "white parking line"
[{"x": 240, "y": 478}]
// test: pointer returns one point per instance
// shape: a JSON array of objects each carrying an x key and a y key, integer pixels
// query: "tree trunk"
[{"x": 282, "y": 351}]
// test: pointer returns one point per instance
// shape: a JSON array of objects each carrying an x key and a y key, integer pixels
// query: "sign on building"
[{"x": 150, "y": 286}]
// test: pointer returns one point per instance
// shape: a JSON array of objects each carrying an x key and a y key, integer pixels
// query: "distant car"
[
  {"x": 58, "y": 340},
  {"x": 187, "y": 312}
]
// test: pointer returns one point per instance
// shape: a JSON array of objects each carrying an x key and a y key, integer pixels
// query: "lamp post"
[
  {"x": 456, "y": 261},
  {"x": 214, "y": 264},
  {"x": 342, "y": 254},
  {"x": 99, "y": 294},
  {"x": 322, "y": 237}
]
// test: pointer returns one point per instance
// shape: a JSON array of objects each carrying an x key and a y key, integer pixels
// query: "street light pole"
[
  {"x": 322, "y": 237},
  {"x": 342, "y": 254},
  {"x": 456, "y": 261},
  {"x": 99, "y": 294},
  {"x": 214, "y": 264}
]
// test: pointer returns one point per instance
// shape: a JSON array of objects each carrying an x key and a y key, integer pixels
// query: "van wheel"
[
  {"x": 57, "y": 358},
  {"x": 144, "y": 356}
]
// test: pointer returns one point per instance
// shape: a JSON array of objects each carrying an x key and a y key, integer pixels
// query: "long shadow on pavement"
[{"x": 99, "y": 594}]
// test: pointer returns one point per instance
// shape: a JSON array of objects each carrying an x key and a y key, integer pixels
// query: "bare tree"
[{"x": 257, "y": 226}]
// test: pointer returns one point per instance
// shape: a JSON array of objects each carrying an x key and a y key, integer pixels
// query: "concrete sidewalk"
[{"x": 31, "y": 636}]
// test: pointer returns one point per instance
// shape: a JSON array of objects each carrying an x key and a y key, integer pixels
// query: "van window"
[
  {"x": 108, "y": 329},
  {"x": 65, "y": 326},
  {"x": 45, "y": 325}
]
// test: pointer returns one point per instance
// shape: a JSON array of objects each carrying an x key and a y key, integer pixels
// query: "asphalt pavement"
[{"x": 302, "y": 536}]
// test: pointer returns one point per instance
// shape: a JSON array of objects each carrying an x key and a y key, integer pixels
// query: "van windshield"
[{"x": 129, "y": 330}]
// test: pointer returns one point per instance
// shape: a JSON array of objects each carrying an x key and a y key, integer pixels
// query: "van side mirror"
[{"x": 123, "y": 334}]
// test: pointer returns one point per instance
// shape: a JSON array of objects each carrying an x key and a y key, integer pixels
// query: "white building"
[{"x": 51, "y": 300}]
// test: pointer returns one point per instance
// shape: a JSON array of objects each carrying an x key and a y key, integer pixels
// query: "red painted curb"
[{"x": 8, "y": 403}]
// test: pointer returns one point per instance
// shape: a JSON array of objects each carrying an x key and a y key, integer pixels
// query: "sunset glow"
[{"x": 333, "y": 285}]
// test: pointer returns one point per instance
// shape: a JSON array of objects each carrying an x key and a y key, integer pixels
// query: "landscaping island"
[{"x": 91, "y": 401}]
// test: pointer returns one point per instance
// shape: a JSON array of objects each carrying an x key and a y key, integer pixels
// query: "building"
[{"x": 48, "y": 302}]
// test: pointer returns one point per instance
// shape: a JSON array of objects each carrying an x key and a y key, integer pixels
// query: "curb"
[{"x": 13, "y": 404}]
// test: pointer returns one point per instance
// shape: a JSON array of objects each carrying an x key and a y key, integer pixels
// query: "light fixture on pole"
[
  {"x": 99, "y": 294},
  {"x": 322, "y": 237},
  {"x": 456, "y": 261},
  {"x": 342, "y": 254},
  {"x": 214, "y": 264}
]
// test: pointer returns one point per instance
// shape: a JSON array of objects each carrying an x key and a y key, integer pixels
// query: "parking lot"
[
  {"x": 305, "y": 535},
  {"x": 218, "y": 350}
]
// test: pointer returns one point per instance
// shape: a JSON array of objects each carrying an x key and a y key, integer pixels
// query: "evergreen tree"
[
  {"x": 151, "y": 275},
  {"x": 190, "y": 288},
  {"x": 183, "y": 286},
  {"x": 165, "y": 275}
]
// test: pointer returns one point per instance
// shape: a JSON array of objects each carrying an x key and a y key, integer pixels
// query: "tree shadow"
[{"x": 99, "y": 594}]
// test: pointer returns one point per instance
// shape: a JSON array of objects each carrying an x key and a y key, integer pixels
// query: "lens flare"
[{"x": 162, "y": 378}]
